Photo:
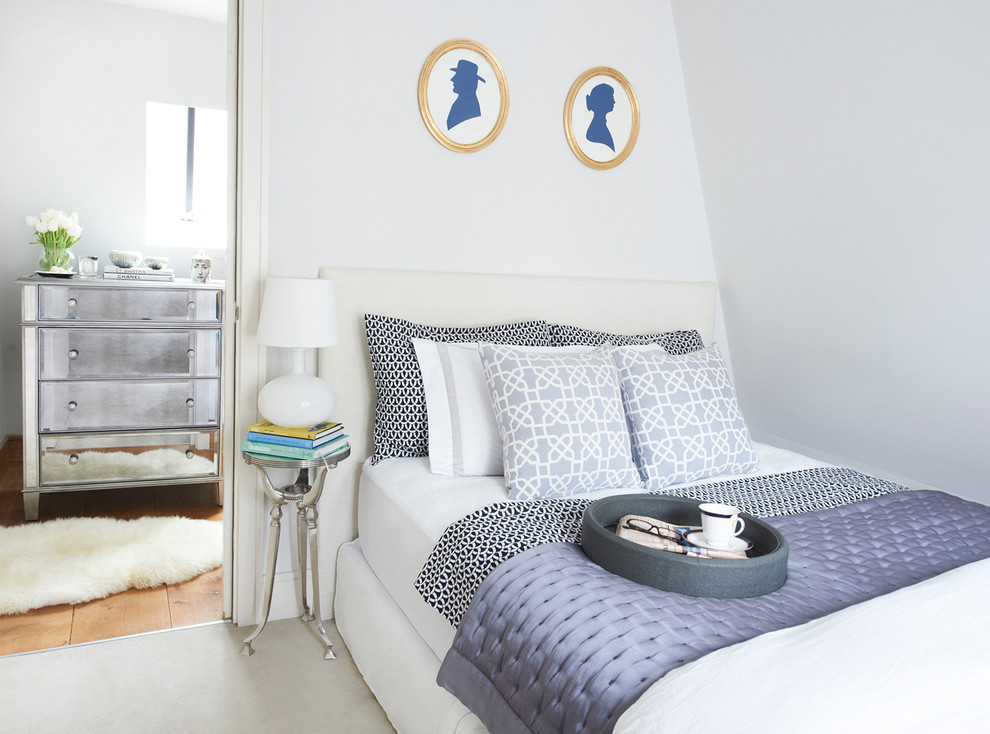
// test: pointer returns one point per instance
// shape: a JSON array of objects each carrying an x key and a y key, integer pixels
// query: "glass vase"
[{"x": 57, "y": 259}]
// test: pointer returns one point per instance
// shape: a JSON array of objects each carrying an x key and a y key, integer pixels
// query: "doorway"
[{"x": 112, "y": 207}]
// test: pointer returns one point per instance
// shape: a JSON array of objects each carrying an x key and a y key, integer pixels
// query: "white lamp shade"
[{"x": 298, "y": 313}]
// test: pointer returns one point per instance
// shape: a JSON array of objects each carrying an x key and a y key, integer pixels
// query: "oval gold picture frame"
[
  {"x": 438, "y": 101},
  {"x": 591, "y": 153}
]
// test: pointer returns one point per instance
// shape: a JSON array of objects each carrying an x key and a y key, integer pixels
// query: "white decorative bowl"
[
  {"x": 156, "y": 263},
  {"x": 125, "y": 258}
]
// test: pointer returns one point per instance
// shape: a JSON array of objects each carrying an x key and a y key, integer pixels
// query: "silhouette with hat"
[
  {"x": 465, "y": 81},
  {"x": 600, "y": 101}
]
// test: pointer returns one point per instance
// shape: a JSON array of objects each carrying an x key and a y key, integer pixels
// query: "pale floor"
[{"x": 191, "y": 680}]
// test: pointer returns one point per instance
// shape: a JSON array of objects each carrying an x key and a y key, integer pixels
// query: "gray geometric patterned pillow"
[
  {"x": 561, "y": 420},
  {"x": 674, "y": 342},
  {"x": 401, "y": 427},
  {"x": 683, "y": 416}
]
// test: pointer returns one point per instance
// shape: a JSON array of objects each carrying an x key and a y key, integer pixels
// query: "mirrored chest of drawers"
[{"x": 123, "y": 384}]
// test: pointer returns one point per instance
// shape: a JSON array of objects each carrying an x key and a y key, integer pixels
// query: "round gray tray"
[{"x": 691, "y": 575}]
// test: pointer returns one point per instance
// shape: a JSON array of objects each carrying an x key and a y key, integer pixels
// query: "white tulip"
[{"x": 65, "y": 226}]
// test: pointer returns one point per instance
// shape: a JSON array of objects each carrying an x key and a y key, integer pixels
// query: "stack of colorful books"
[{"x": 322, "y": 441}]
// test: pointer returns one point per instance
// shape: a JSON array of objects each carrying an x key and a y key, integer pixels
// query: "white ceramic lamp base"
[{"x": 296, "y": 401}]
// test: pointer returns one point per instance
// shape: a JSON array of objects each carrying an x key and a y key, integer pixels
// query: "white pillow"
[
  {"x": 561, "y": 421},
  {"x": 463, "y": 437},
  {"x": 683, "y": 415}
]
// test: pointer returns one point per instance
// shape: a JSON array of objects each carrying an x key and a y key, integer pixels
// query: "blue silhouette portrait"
[
  {"x": 600, "y": 101},
  {"x": 465, "y": 81}
]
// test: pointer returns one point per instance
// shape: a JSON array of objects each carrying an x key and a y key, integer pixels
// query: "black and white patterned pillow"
[
  {"x": 674, "y": 342},
  {"x": 401, "y": 427}
]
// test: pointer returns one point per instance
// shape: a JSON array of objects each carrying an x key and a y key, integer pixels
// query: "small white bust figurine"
[{"x": 201, "y": 266}]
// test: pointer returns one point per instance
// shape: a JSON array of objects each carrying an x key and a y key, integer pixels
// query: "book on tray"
[{"x": 326, "y": 451}]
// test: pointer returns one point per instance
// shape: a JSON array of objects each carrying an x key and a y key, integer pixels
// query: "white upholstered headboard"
[{"x": 458, "y": 299}]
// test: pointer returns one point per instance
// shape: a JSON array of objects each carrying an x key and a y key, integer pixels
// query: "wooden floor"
[{"x": 131, "y": 612}]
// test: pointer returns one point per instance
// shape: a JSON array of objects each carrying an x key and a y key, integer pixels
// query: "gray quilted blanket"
[
  {"x": 553, "y": 643},
  {"x": 470, "y": 548}
]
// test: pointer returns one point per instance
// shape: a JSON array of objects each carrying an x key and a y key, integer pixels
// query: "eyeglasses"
[
  {"x": 668, "y": 532},
  {"x": 659, "y": 528}
]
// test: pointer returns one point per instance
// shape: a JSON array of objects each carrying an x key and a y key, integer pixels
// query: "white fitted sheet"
[{"x": 403, "y": 510}]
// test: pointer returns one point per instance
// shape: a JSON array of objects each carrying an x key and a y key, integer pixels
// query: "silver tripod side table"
[{"x": 305, "y": 493}]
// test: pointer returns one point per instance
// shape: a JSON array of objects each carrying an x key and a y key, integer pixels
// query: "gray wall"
[
  {"x": 74, "y": 79},
  {"x": 357, "y": 180},
  {"x": 844, "y": 151}
]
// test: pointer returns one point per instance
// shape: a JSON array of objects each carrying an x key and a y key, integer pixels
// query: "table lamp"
[{"x": 297, "y": 314}]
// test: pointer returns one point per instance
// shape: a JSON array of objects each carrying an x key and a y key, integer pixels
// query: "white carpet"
[
  {"x": 74, "y": 560},
  {"x": 191, "y": 680}
]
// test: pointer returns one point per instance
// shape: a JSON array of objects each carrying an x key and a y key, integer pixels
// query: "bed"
[{"x": 394, "y": 517}]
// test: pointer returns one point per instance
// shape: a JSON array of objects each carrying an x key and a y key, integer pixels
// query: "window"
[{"x": 186, "y": 177}]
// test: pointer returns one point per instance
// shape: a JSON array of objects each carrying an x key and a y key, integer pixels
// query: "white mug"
[{"x": 720, "y": 523}]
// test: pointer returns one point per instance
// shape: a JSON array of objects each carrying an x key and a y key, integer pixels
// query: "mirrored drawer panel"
[
  {"x": 97, "y": 405},
  {"x": 70, "y": 353},
  {"x": 57, "y": 303},
  {"x": 125, "y": 457}
]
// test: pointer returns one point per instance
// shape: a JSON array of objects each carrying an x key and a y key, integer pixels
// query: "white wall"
[
  {"x": 74, "y": 79},
  {"x": 844, "y": 152},
  {"x": 357, "y": 180}
]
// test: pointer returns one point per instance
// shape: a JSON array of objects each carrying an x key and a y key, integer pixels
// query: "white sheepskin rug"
[{"x": 75, "y": 560}]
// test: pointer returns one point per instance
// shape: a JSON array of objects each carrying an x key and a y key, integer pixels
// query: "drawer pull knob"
[
  {"x": 73, "y": 353},
  {"x": 190, "y": 353},
  {"x": 71, "y": 303},
  {"x": 72, "y": 405},
  {"x": 73, "y": 458},
  {"x": 190, "y": 402},
  {"x": 189, "y": 453},
  {"x": 191, "y": 306}
]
